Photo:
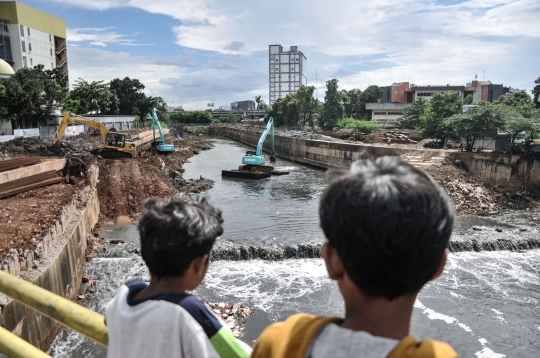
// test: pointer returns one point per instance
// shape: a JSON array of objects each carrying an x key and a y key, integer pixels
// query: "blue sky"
[{"x": 189, "y": 52}]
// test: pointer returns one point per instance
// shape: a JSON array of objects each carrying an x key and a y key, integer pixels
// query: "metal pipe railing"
[
  {"x": 15, "y": 347},
  {"x": 70, "y": 314}
]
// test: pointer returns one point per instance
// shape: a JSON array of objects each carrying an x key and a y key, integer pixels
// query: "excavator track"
[{"x": 113, "y": 154}]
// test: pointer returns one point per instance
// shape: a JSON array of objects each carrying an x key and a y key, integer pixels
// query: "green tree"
[
  {"x": 412, "y": 116},
  {"x": 441, "y": 106},
  {"x": 307, "y": 105},
  {"x": 260, "y": 103},
  {"x": 91, "y": 97},
  {"x": 129, "y": 92},
  {"x": 371, "y": 94},
  {"x": 468, "y": 99},
  {"x": 353, "y": 123},
  {"x": 536, "y": 93},
  {"x": 478, "y": 122},
  {"x": 333, "y": 107},
  {"x": 29, "y": 96},
  {"x": 146, "y": 104},
  {"x": 519, "y": 101},
  {"x": 353, "y": 104}
]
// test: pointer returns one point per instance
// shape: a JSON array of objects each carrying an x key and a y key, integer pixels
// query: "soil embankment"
[{"x": 122, "y": 187}]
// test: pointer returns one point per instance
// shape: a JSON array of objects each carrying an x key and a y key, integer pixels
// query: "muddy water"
[{"x": 486, "y": 304}]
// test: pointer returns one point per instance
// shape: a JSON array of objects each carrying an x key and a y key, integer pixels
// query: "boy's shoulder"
[{"x": 293, "y": 337}]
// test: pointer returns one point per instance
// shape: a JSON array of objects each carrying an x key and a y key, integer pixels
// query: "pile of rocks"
[
  {"x": 234, "y": 315},
  {"x": 465, "y": 195}
]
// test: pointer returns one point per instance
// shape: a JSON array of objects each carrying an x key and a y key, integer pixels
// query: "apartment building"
[
  {"x": 30, "y": 37},
  {"x": 286, "y": 71}
]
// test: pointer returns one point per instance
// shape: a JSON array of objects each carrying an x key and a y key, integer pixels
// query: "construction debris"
[
  {"x": 32, "y": 182},
  {"x": 10, "y": 164},
  {"x": 234, "y": 315}
]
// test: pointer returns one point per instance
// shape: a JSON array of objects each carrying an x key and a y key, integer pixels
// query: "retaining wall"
[
  {"x": 494, "y": 169},
  {"x": 57, "y": 264},
  {"x": 498, "y": 169},
  {"x": 322, "y": 154}
]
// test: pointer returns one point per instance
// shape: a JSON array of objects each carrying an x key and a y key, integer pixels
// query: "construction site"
[{"x": 60, "y": 198}]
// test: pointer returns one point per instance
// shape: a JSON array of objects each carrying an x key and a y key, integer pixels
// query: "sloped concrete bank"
[
  {"x": 322, "y": 154},
  {"x": 494, "y": 169},
  {"x": 57, "y": 264}
]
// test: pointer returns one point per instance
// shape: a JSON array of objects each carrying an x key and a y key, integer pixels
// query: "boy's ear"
[
  {"x": 441, "y": 266},
  {"x": 334, "y": 265},
  {"x": 200, "y": 264}
]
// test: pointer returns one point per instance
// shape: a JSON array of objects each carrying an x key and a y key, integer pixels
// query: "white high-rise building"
[
  {"x": 30, "y": 37},
  {"x": 286, "y": 71}
]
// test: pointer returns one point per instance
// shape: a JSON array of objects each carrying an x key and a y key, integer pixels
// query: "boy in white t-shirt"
[{"x": 160, "y": 319}]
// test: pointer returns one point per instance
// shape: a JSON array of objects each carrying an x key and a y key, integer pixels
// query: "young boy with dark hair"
[
  {"x": 160, "y": 319},
  {"x": 387, "y": 225}
]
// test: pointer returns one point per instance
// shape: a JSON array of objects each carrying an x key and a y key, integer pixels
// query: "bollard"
[
  {"x": 16, "y": 347},
  {"x": 70, "y": 314}
]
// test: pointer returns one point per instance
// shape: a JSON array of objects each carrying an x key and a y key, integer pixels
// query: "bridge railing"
[{"x": 60, "y": 309}]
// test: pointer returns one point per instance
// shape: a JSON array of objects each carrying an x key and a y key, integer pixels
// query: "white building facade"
[
  {"x": 286, "y": 71},
  {"x": 30, "y": 37}
]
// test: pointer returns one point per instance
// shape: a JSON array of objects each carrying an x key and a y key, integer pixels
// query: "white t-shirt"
[
  {"x": 166, "y": 325},
  {"x": 334, "y": 341}
]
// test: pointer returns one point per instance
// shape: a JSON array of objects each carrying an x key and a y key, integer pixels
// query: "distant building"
[
  {"x": 5, "y": 69},
  {"x": 397, "y": 97},
  {"x": 30, "y": 37},
  {"x": 286, "y": 71},
  {"x": 243, "y": 105}
]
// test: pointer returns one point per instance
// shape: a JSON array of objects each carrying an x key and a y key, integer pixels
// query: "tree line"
[
  {"x": 443, "y": 117},
  {"x": 28, "y": 97},
  {"x": 340, "y": 109}
]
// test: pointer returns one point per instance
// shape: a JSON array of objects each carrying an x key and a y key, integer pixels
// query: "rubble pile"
[
  {"x": 234, "y": 315},
  {"x": 400, "y": 137}
]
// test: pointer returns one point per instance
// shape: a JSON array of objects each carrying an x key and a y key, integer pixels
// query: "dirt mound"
[
  {"x": 25, "y": 218},
  {"x": 472, "y": 196}
]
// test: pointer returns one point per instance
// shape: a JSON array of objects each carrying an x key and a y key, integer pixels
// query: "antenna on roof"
[{"x": 475, "y": 75}]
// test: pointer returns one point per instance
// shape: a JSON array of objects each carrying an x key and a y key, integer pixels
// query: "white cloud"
[
  {"x": 100, "y": 36},
  {"x": 364, "y": 42}
]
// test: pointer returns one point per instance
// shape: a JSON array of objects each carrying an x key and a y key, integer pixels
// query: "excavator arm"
[
  {"x": 79, "y": 120},
  {"x": 269, "y": 126}
]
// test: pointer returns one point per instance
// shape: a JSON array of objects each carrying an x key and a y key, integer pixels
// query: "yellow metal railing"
[
  {"x": 15, "y": 347},
  {"x": 70, "y": 314}
]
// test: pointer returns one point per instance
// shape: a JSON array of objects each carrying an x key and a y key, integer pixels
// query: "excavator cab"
[{"x": 119, "y": 140}]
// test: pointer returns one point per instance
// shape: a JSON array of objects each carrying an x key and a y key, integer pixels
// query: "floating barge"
[{"x": 252, "y": 172}]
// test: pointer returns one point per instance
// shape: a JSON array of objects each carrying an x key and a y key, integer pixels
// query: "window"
[
  {"x": 31, "y": 63},
  {"x": 271, "y": 56},
  {"x": 24, "y": 61},
  {"x": 425, "y": 94},
  {"x": 51, "y": 51},
  {"x": 28, "y": 29},
  {"x": 50, "y": 38},
  {"x": 29, "y": 46},
  {"x": 52, "y": 67},
  {"x": 23, "y": 46},
  {"x": 395, "y": 113},
  {"x": 22, "y": 30},
  {"x": 379, "y": 113}
]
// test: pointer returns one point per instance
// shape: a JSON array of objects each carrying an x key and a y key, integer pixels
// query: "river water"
[{"x": 486, "y": 304}]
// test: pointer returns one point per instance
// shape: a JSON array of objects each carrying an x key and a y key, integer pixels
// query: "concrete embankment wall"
[
  {"x": 322, "y": 154},
  {"x": 57, "y": 264},
  {"x": 498, "y": 169},
  {"x": 493, "y": 169}
]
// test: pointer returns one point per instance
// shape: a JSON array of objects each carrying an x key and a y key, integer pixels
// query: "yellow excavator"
[{"x": 117, "y": 145}]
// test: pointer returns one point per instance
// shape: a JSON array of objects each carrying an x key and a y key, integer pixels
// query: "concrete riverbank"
[{"x": 494, "y": 169}]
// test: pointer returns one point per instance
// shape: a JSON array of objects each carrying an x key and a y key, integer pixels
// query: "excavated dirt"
[
  {"x": 25, "y": 218},
  {"x": 123, "y": 184},
  {"x": 472, "y": 196}
]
